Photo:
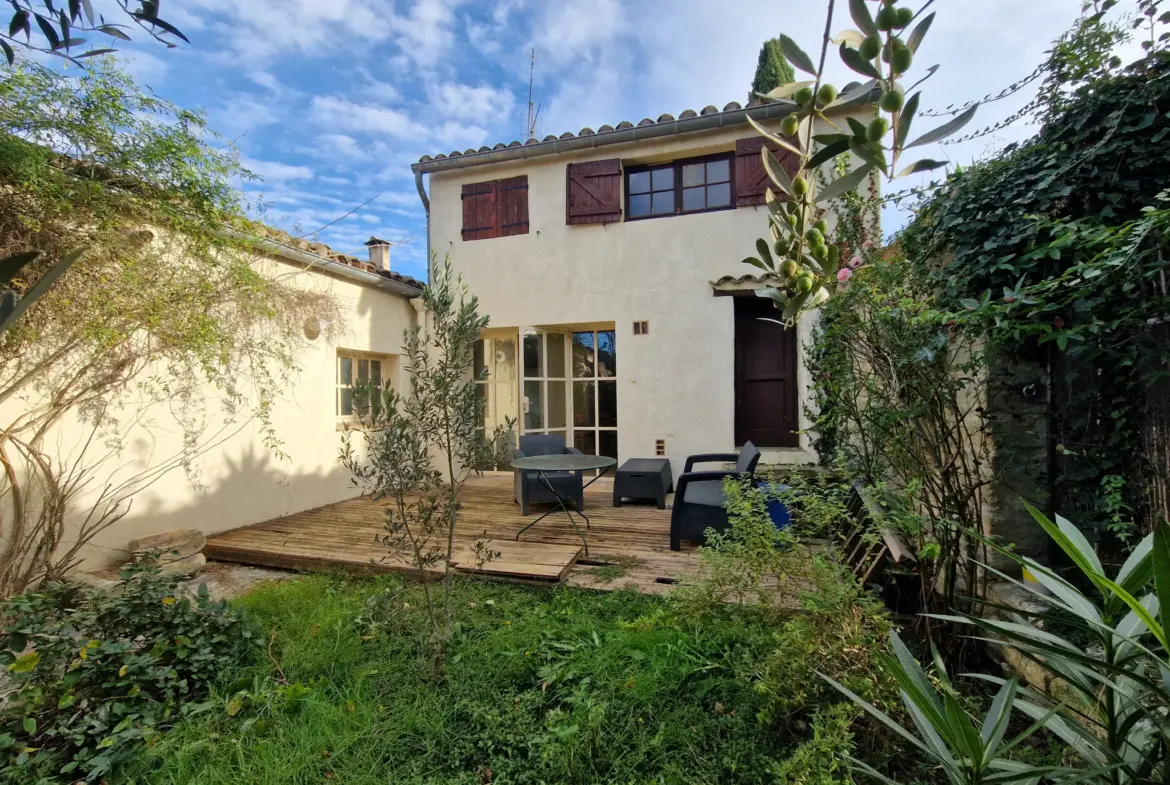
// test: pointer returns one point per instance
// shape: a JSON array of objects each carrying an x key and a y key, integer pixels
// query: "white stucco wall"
[
  {"x": 677, "y": 383},
  {"x": 239, "y": 480}
]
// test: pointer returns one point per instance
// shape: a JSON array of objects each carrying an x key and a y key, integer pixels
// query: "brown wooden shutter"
[
  {"x": 594, "y": 192},
  {"x": 750, "y": 178},
  {"x": 512, "y": 215},
  {"x": 479, "y": 211}
]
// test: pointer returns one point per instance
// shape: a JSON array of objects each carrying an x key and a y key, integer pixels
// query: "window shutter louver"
[
  {"x": 751, "y": 181},
  {"x": 594, "y": 192},
  {"x": 479, "y": 211},
  {"x": 513, "y": 206}
]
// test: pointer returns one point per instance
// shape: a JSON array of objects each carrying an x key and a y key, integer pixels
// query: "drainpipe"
[{"x": 426, "y": 203}]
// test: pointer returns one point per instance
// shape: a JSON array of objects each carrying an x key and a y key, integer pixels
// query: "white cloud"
[
  {"x": 425, "y": 31},
  {"x": 483, "y": 103},
  {"x": 345, "y": 115},
  {"x": 241, "y": 113},
  {"x": 275, "y": 171}
]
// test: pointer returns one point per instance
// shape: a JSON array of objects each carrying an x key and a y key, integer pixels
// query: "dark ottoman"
[{"x": 643, "y": 478}]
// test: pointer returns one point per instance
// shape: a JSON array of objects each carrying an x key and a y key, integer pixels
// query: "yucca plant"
[
  {"x": 969, "y": 751},
  {"x": 1111, "y": 701}
]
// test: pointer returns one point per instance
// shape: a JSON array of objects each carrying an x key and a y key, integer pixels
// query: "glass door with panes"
[
  {"x": 496, "y": 380},
  {"x": 544, "y": 391},
  {"x": 595, "y": 392}
]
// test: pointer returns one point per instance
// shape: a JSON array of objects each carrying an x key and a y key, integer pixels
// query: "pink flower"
[
  {"x": 867, "y": 244},
  {"x": 855, "y": 262},
  {"x": 844, "y": 274}
]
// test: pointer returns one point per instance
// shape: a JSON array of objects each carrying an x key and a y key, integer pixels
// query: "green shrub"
[{"x": 96, "y": 674}]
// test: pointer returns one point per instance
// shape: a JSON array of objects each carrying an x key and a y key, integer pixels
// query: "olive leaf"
[
  {"x": 856, "y": 95},
  {"x": 771, "y": 137},
  {"x": 866, "y": 152},
  {"x": 850, "y": 37},
  {"x": 785, "y": 90},
  {"x": 946, "y": 129},
  {"x": 796, "y": 55},
  {"x": 776, "y": 171},
  {"x": 828, "y": 152},
  {"x": 765, "y": 253},
  {"x": 845, "y": 184},
  {"x": 853, "y": 59},
  {"x": 11, "y": 265},
  {"x": 919, "y": 32},
  {"x": 925, "y": 165},
  {"x": 906, "y": 119},
  {"x": 861, "y": 17}
]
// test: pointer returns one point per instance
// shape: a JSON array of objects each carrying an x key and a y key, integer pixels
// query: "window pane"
[
  {"x": 479, "y": 364},
  {"x": 694, "y": 198},
  {"x": 584, "y": 394},
  {"x": 585, "y": 442},
  {"x": 693, "y": 175},
  {"x": 639, "y": 205},
  {"x": 504, "y": 351},
  {"x": 345, "y": 407},
  {"x": 639, "y": 182},
  {"x": 481, "y": 396},
  {"x": 557, "y": 409},
  {"x": 533, "y": 349},
  {"x": 718, "y": 171},
  {"x": 663, "y": 179},
  {"x": 606, "y": 353},
  {"x": 554, "y": 347},
  {"x": 719, "y": 195},
  {"x": 363, "y": 371},
  {"x": 344, "y": 371},
  {"x": 608, "y": 444},
  {"x": 663, "y": 203},
  {"x": 582, "y": 355},
  {"x": 376, "y": 372},
  {"x": 607, "y": 404},
  {"x": 534, "y": 417}
]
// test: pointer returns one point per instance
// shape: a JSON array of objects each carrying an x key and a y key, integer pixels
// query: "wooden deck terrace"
[{"x": 628, "y": 545}]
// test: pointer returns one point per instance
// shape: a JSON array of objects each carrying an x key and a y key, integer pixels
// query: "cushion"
[
  {"x": 707, "y": 492},
  {"x": 541, "y": 444}
]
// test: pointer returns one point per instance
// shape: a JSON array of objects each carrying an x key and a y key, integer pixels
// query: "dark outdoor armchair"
[
  {"x": 698, "y": 496},
  {"x": 530, "y": 488}
]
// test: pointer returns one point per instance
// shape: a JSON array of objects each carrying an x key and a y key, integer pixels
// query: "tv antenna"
[{"x": 533, "y": 108}]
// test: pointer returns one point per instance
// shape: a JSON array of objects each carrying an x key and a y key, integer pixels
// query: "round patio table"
[{"x": 564, "y": 463}]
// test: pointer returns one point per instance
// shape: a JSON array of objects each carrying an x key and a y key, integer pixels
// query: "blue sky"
[{"x": 329, "y": 101}]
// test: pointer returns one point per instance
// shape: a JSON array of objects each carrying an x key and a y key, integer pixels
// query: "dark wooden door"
[{"x": 765, "y": 376}]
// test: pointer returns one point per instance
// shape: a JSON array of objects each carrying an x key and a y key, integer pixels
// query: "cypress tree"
[{"x": 772, "y": 69}]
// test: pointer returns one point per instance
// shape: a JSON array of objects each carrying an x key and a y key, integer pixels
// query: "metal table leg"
[{"x": 563, "y": 503}]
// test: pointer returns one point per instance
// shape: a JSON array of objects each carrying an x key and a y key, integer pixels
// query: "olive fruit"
[
  {"x": 813, "y": 235},
  {"x": 800, "y": 186},
  {"x": 893, "y": 99},
  {"x": 820, "y": 252},
  {"x": 903, "y": 17},
  {"x": 790, "y": 125},
  {"x": 804, "y": 96},
  {"x": 877, "y": 129},
  {"x": 826, "y": 95},
  {"x": 901, "y": 59},
  {"x": 792, "y": 219},
  {"x": 804, "y": 284},
  {"x": 789, "y": 268},
  {"x": 887, "y": 18},
  {"x": 870, "y": 48},
  {"x": 791, "y": 281},
  {"x": 822, "y": 226}
]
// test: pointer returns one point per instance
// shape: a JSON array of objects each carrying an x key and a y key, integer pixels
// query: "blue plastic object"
[{"x": 777, "y": 510}]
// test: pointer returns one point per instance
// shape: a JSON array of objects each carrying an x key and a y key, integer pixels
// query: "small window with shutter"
[
  {"x": 495, "y": 209},
  {"x": 594, "y": 192},
  {"x": 751, "y": 181}
]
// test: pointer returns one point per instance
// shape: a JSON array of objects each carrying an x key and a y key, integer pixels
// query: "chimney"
[{"x": 379, "y": 253}]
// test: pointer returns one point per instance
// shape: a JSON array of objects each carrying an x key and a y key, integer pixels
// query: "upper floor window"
[
  {"x": 498, "y": 208},
  {"x": 693, "y": 185}
]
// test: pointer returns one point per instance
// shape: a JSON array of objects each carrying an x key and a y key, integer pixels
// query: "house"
[
  {"x": 609, "y": 263},
  {"x": 233, "y": 477}
]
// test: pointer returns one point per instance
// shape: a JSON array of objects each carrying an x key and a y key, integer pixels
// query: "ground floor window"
[{"x": 358, "y": 372}]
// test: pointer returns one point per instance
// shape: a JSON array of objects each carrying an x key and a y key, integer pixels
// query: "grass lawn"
[{"x": 542, "y": 686}]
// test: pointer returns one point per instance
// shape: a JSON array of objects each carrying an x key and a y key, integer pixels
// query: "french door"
[
  {"x": 595, "y": 392},
  {"x": 544, "y": 383}
]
